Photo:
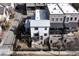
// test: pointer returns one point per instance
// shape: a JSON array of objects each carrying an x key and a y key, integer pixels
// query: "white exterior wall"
[
  {"x": 41, "y": 32},
  {"x": 33, "y": 31}
]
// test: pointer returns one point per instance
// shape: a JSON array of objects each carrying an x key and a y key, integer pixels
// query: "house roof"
[
  {"x": 67, "y": 8},
  {"x": 39, "y": 23},
  {"x": 54, "y": 9}
]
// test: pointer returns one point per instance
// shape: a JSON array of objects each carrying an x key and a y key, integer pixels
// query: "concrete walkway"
[{"x": 47, "y": 53}]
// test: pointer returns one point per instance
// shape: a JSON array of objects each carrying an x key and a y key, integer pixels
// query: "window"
[
  {"x": 41, "y": 37},
  {"x": 50, "y": 41},
  {"x": 65, "y": 41},
  {"x": 60, "y": 19},
  {"x": 75, "y": 18},
  {"x": 67, "y": 19},
  {"x": 36, "y": 34},
  {"x": 45, "y": 34},
  {"x": 45, "y": 28},
  {"x": 36, "y": 28},
  {"x": 71, "y": 18},
  {"x": 52, "y": 19},
  {"x": 56, "y": 19}
]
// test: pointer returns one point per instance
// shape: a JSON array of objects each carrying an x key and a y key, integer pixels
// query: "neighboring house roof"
[
  {"x": 40, "y": 23},
  {"x": 41, "y": 14},
  {"x": 54, "y": 9},
  {"x": 1, "y": 10},
  {"x": 67, "y": 8}
]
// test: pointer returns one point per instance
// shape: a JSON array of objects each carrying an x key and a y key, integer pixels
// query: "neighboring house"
[
  {"x": 71, "y": 16},
  {"x": 30, "y": 7},
  {"x": 60, "y": 14},
  {"x": 56, "y": 17}
]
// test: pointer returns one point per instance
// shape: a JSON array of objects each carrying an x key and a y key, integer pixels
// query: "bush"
[
  {"x": 7, "y": 24},
  {"x": 12, "y": 16}
]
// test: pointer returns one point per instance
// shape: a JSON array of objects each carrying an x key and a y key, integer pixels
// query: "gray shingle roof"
[{"x": 40, "y": 23}]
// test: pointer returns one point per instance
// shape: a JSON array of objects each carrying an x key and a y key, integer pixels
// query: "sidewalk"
[{"x": 47, "y": 53}]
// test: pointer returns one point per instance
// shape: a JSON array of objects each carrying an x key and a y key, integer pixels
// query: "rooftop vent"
[
  {"x": 66, "y": 11},
  {"x": 59, "y": 11},
  {"x": 73, "y": 11},
  {"x": 52, "y": 11}
]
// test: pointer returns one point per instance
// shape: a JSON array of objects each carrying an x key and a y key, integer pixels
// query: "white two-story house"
[
  {"x": 40, "y": 29},
  {"x": 39, "y": 25}
]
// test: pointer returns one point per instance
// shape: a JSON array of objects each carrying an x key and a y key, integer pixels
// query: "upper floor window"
[
  {"x": 56, "y": 19},
  {"x": 60, "y": 19},
  {"x": 36, "y": 34},
  {"x": 75, "y": 18},
  {"x": 67, "y": 19},
  {"x": 36, "y": 28},
  {"x": 45, "y": 34},
  {"x": 52, "y": 19},
  {"x": 45, "y": 28},
  {"x": 50, "y": 41},
  {"x": 71, "y": 18}
]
